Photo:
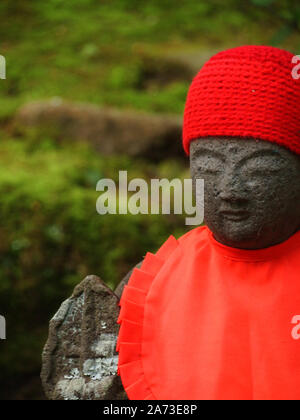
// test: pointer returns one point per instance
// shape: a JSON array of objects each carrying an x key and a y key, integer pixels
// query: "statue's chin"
[
  {"x": 249, "y": 235},
  {"x": 240, "y": 234}
]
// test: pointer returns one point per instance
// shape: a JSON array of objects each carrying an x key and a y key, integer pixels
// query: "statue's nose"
[{"x": 232, "y": 189}]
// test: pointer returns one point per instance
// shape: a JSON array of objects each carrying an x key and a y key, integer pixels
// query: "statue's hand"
[{"x": 80, "y": 359}]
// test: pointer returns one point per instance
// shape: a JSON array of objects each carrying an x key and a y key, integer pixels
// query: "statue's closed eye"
[
  {"x": 211, "y": 166},
  {"x": 208, "y": 162},
  {"x": 259, "y": 163},
  {"x": 263, "y": 165}
]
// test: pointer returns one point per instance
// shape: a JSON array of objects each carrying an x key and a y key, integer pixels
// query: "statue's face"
[{"x": 252, "y": 190}]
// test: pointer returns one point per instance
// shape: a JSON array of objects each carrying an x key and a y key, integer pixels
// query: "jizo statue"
[
  {"x": 214, "y": 314},
  {"x": 252, "y": 190}
]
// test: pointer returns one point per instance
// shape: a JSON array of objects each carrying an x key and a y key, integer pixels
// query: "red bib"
[{"x": 201, "y": 320}]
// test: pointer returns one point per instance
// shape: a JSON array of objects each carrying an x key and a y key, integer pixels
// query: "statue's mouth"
[{"x": 235, "y": 215}]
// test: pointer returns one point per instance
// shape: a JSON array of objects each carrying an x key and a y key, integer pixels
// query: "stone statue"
[
  {"x": 80, "y": 359},
  {"x": 252, "y": 190},
  {"x": 252, "y": 202}
]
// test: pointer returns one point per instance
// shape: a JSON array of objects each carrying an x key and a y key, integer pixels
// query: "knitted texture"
[{"x": 245, "y": 92}]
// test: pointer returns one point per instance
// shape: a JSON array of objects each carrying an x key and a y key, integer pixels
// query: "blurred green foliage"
[
  {"x": 51, "y": 236},
  {"x": 91, "y": 50}
]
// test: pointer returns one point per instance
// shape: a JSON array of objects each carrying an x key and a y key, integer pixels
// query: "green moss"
[
  {"x": 90, "y": 51},
  {"x": 51, "y": 236}
]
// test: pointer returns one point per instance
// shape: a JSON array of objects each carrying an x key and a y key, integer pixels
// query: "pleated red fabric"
[{"x": 200, "y": 320}]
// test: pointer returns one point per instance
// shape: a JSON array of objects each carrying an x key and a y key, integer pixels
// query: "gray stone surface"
[
  {"x": 80, "y": 359},
  {"x": 109, "y": 131},
  {"x": 252, "y": 190}
]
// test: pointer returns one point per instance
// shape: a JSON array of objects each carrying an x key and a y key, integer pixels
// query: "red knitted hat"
[{"x": 245, "y": 92}]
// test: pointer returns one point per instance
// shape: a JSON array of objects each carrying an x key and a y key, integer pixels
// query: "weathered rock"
[
  {"x": 109, "y": 131},
  {"x": 80, "y": 359}
]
